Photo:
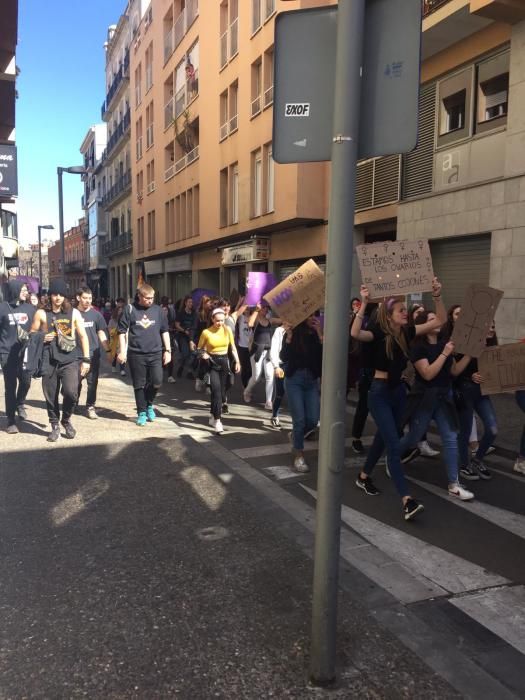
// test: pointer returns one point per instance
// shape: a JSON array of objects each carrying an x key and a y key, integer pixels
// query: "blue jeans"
[
  {"x": 387, "y": 407},
  {"x": 449, "y": 437},
  {"x": 304, "y": 403},
  {"x": 474, "y": 401},
  {"x": 520, "y": 400}
]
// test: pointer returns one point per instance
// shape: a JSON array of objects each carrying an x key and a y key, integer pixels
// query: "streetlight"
[
  {"x": 40, "y": 227},
  {"x": 75, "y": 170}
]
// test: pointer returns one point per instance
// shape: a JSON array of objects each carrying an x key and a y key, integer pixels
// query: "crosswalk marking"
[{"x": 448, "y": 571}]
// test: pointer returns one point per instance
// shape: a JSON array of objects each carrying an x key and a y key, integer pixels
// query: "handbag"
[{"x": 66, "y": 343}]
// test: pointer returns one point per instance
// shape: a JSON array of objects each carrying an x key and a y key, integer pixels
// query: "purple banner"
[
  {"x": 31, "y": 282},
  {"x": 258, "y": 284},
  {"x": 198, "y": 293}
]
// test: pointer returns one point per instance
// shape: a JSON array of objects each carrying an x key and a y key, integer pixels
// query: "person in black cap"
[
  {"x": 62, "y": 325},
  {"x": 16, "y": 316},
  {"x": 148, "y": 332}
]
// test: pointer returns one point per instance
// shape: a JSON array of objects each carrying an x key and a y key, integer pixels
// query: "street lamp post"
[
  {"x": 40, "y": 227},
  {"x": 75, "y": 170}
]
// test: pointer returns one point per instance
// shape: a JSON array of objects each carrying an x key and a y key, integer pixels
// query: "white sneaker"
[
  {"x": 247, "y": 396},
  {"x": 519, "y": 465},
  {"x": 219, "y": 428},
  {"x": 171, "y": 380},
  {"x": 300, "y": 465},
  {"x": 268, "y": 405},
  {"x": 426, "y": 450},
  {"x": 458, "y": 491}
]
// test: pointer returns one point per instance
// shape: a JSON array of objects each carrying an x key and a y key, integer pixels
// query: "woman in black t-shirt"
[{"x": 389, "y": 349}]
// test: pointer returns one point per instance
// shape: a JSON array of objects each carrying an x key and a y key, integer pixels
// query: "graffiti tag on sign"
[{"x": 299, "y": 295}]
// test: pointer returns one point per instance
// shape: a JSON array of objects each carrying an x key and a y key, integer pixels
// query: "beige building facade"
[{"x": 209, "y": 204}]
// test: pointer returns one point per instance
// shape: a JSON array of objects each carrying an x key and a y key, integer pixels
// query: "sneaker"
[
  {"x": 70, "y": 432},
  {"x": 171, "y": 380},
  {"x": 246, "y": 396},
  {"x": 491, "y": 450},
  {"x": 300, "y": 466},
  {"x": 268, "y": 405},
  {"x": 54, "y": 435},
  {"x": 275, "y": 422},
  {"x": 412, "y": 508},
  {"x": 142, "y": 419},
  {"x": 22, "y": 412},
  {"x": 12, "y": 429},
  {"x": 469, "y": 472},
  {"x": 225, "y": 408},
  {"x": 358, "y": 447},
  {"x": 150, "y": 413},
  {"x": 311, "y": 434},
  {"x": 482, "y": 469},
  {"x": 411, "y": 454},
  {"x": 367, "y": 486},
  {"x": 113, "y": 370},
  {"x": 91, "y": 413},
  {"x": 519, "y": 465},
  {"x": 458, "y": 491},
  {"x": 122, "y": 372},
  {"x": 425, "y": 449},
  {"x": 219, "y": 428},
  {"x": 212, "y": 421}
]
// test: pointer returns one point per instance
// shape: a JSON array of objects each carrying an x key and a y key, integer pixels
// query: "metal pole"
[
  {"x": 40, "y": 260},
  {"x": 350, "y": 28},
  {"x": 61, "y": 222}
]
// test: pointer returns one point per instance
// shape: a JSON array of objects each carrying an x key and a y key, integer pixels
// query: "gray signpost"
[{"x": 346, "y": 87}]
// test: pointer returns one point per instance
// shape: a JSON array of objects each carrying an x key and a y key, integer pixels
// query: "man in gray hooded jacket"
[{"x": 16, "y": 315}]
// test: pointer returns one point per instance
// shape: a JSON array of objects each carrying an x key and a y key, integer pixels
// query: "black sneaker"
[
  {"x": 367, "y": 485},
  {"x": 225, "y": 408},
  {"x": 11, "y": 429},
  {"x": 481, "y": 468},
  {"x": 412, "y": 508},
  {"x": 358, "y": 447},
  {"x": 69, "y": 430},
  {"x": 470, "y": 473},
  {"x": 21, "y": 410},
  {"x": 410, "y": 454},
  {"x": 54, "y": 435}
]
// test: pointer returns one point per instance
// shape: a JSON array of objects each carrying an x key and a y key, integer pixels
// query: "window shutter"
[{"x": 418, "y": 166}]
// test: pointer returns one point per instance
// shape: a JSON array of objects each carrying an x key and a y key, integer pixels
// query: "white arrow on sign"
[{"x": 301, "y": 143}]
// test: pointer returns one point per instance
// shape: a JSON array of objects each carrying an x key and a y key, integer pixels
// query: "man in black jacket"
[
  {"x": 16, "y": 316},
  {"x": 147, "y": 330}
]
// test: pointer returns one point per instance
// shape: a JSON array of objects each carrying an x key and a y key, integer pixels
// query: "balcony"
[
  {"x": 169, "y": 113},
  {"x": 117, "y": 136},
  {"x": 187, "y": 93},
  {"x": 186, "y": 159},
  {"x": 229, "y": 43},
  {"x": 184, "y": 21},
  {"x": 75, "y": 265},
  {"x": 118, "y": 244},
  {"x": 120, "y": 188},
  {"x": 121, "y": 74}
]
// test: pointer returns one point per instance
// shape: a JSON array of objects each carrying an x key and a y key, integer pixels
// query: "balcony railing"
[
  {"x": 223, "y": 131},
  {"x": 186, "y": 159},
  {"x": 169, "y": 113},
  {"x": 269, "y": 8},
  {"x": 75, "y": 265},
  {"x": 234, "y": 123},
  {"x": 256, "y": 106},
  {"x": 186, "y": 94},
  {"x": 229, "y": 42},
  {"x": 224, "y": 49},
  {"x": 430, "y": 6},
  {"x": 169, "y": 45},
  {"x": 268, "y": 96},
  {"x": 184, "y": 21},
  {"x": 234, "y": 37},
  {"x": 169, "y": 173},
  {"x": 118, "y": 244},
  {"x": 122, "y": 185},
  {"x": 123, "y": 72},
  {"x": 117, "y": 135}
]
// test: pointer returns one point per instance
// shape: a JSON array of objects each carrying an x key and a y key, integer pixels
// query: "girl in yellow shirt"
[{"x": 216, "y": 341}]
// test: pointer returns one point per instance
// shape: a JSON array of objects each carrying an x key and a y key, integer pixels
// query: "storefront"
[
  {"x": 179, "y": 276},
  {"x": 237, "y": 260}
]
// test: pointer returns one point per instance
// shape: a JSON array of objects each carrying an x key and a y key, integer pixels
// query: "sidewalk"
[{"x": 137, "y": 565}]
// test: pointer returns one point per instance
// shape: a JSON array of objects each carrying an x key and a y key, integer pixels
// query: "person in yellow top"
[{"x": 217, "y": 341}]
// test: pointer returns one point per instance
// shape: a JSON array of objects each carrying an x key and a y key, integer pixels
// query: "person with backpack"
[
  {"x": 16, "y": 317},
  {"x": 147, "y": 349},
  {"x": 65, "y": 359},
  {"x": 97, "y": 332}
]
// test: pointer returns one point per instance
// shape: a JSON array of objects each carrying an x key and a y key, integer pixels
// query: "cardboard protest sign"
[
  {"x": 258, "y": 284},
  {"x": 477, "y": 313},
  {"x": 502, "y": 368},
  {"x": 395, "y": 268},
  {"x": 299, "y": 295}
]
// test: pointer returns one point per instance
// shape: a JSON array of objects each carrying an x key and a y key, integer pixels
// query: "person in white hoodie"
[{"x": 275, "y": 351}]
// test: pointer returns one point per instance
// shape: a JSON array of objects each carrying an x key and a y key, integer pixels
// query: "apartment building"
[
  {"x": 76, "y": 251},
  {"x": 93, "y": 150}
]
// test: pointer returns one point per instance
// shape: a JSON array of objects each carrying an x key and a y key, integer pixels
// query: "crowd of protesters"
[{"x": 402, "y": 362}]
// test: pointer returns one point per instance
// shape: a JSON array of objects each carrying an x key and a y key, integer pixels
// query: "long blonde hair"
[{"x": 393, "y": 335}]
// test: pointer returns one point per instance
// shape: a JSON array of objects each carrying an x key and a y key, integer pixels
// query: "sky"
[{"x": 61, "y": 88}]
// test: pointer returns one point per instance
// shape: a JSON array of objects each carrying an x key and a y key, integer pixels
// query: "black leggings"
[
  {"x": 219, "y": 376},
  {"x": 146, "y": 375},
  {"x": 246, "y": 365},
  {"x": 65, "y": 377}
]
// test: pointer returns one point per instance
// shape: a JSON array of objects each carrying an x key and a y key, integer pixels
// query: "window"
[
  {"x": 196, "y": 211},
  {"x": 233, "y": 106},
  {"x": 151, "y": 230},
  {"x": 223, "y": 110},
  {"x": 140, "y": 234},
  {"x": 256, "y": 15},
  {"x": 454, "y": 112},
  {"x": 169, "y": 212},
  {"x": 223, "y": 33},
  {"x": 234, "y": 195},
  {"x": 269, "y": 179},
  {"x": 140, "y": 185},
  {"x": 149, "y": 125},
  {"x": 150, "y": 177},
  {"x": 256, "y": 74},
  {"x": 138, "y": 130},
  {"x": 256, "y": 183},
  {"x": 189, "y": 213},
  {"x": 138, "y": 85},
  {"x": 234, "y": 28},
  {"x": 455, "y": 107},
  {"x": 149, "y": 66},
  {"x": 268, "y": 78},
  {"x": 223, "y": 197},
  {"x": 493, "y": 92},
  {"x": 269, "y": 8}
]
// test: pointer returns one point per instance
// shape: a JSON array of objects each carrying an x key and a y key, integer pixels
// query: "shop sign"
[
  {"x": 8, "y": 171},
  {"x": 255, "y": 250}
]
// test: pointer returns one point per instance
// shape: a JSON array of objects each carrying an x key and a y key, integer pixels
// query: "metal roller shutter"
[
  {"x": 459, "y": 262},
  {"x": 286, "y": 268}
]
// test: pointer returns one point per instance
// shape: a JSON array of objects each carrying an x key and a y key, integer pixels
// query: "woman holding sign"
[{"x": 390, "y": 338}]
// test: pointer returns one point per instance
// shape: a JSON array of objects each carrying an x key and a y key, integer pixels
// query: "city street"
[{"x": 165, "y": 561}]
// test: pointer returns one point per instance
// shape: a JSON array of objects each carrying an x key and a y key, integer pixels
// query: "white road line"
[
  {"x": 512, "y": 522},
  {"x": 502, "y": 611},
  {"x": 448, "y": 571},
  {"x": 282, "y": 448}
]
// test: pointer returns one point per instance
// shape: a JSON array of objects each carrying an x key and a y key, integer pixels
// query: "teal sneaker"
[
  {"x": 142, "y": 419},
  {"x": 150, "y": 413}
]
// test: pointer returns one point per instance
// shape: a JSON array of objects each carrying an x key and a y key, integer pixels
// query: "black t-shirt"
[
  {"x": 311, "y": 356},
  {"x": 61, "y": 321},
  {"x": 425, "y": 350},
  {"x": 145, "y": 327},
  {"x": 379, "y": 358},
  {"x": 10, "y": 316},
  {"x": 93, "y": 323},
  {"x": 185, "y": 319}
]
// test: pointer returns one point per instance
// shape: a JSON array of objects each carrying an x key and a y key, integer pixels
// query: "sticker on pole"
[{"x": 297, "y": 109}]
